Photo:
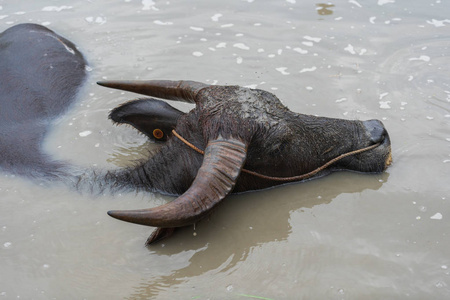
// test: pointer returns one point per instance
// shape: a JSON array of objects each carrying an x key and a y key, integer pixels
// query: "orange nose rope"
[{"x": 292, "y": 178}]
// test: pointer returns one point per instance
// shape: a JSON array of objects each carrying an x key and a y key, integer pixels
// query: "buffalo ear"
[{"x": 152, "y": 117}]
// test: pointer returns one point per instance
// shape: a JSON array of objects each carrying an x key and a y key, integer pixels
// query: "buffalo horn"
[
  {"x": 215, "y": 179},
  {"x": 165, "y": 89}
]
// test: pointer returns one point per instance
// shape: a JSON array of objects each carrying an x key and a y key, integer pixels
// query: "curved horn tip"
[{"x": 122, "y": 215}]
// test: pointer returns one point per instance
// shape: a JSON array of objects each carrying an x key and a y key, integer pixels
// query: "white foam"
[
  {"x": 350, "y": 49},
  {"x": 438, "y": 23},
  {"x": 300, "y": 50},
  {"x": 354, "y": 2},
  {"x": 383, "y": 95},
  {"x": 436, "y": 216},
  {"x": 308, "y": 69},
  {"x": 196, "y": 28},
  {"x": 282, "y": 70},
  {"x": 148, "y": 5},
  {"x": 241, "y": 46},
  {"x": 85, "y": 133},
  {"x": 313, "y": 39},
  {"x": 56, "y": 8},
  {"x": 216, "y": 17},
  {"x": 159, "y": 22},
  {"x": 383, "y": 2},
  {"x": 422, "y": 57},
  {"x": 385, "y": 104}
]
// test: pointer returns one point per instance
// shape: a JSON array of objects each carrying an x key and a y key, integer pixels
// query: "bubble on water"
[
  {"x": 239, "y": 60},
  {"x": 436, "y": 216},
  {"x": 341, "y": 100},
  {"x": 372, "y": 20},
  {"x": 230, "y": 288},
  {"x": 216, "y": 17},
  {"x": 444, "y": 267},
  {"x": 309, "y": 44},
  {"x": 197, "y": 53},
  {"x": 45, "y": 266},
  {"x": 227, "y": 25},
  {"x": 309, "y": 88},
  {"x": 221, "y": 45},
  {"x": 7, "y": 244},
  {"x": 85, "y": 133}
]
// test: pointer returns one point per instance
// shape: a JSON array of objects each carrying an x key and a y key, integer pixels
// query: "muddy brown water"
[{"x": 346, "y": 236}]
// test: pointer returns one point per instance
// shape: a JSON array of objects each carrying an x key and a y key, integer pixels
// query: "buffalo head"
[{"x": 238, "y": 128}]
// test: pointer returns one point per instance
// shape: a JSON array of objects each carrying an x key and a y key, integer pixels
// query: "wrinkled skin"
[{"x": 238, "y": 128}]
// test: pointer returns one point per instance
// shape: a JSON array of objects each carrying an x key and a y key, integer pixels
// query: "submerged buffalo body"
[{"x": 250, "y": 140}]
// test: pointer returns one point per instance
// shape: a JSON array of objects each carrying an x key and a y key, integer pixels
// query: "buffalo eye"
[{"x": 158, "y": 134}]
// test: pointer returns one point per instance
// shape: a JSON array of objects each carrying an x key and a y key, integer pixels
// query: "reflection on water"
[
  {"x": 268, "y": 222},
  {"x": 358, "y": 60}
]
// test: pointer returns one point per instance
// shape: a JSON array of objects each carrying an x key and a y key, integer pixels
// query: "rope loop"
[{"x": 292, "y": 178}]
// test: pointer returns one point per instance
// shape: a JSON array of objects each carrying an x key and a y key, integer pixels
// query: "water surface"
[{"x": 347, "y": 236}]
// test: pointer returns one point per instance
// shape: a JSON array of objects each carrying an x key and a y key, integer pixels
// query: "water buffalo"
[{"x": 235, "y": 139}]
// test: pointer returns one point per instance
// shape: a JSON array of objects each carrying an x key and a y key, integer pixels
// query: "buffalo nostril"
[{"x": 375, "y": 130}]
